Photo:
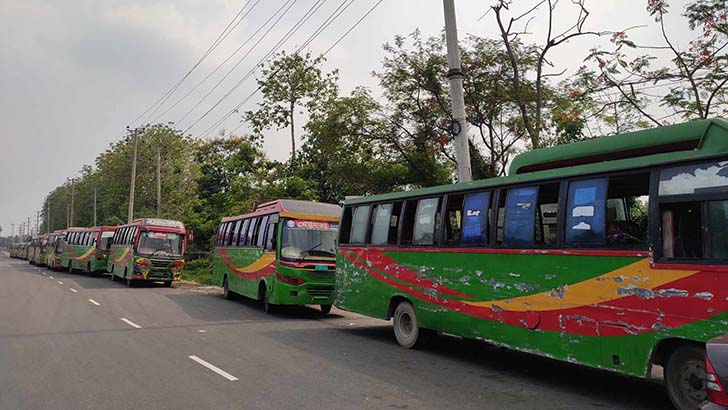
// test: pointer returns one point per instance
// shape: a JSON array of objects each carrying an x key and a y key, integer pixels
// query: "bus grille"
[
  {"x": 160, "y": 264},
  {"x": 320, "y": 290},
  {"x": 321, "y": 276}
]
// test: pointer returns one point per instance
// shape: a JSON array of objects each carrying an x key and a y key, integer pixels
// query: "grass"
[{"x": 198, "y": 270}]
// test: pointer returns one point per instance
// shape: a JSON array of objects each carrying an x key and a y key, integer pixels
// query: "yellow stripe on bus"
[
  {"x": 600, "y": 289},
  {"x": 262, "y": 262}
]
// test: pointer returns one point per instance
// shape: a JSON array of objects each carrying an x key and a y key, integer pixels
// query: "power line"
[
  {"x": 221, "y": 64},
  {"x": 272, "y": 51},
  {"x": 288, "y": 3},
  {"x": 324, "y": 54},
  {"x": 214, "y": 45}
]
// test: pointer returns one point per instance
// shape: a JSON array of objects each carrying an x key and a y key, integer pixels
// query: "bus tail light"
[
  {"x": 716, "y": 392},
  {"x": 290, "y": 280}
]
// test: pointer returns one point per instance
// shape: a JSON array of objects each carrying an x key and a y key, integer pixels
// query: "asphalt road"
[{"x": 64, "y": 345}]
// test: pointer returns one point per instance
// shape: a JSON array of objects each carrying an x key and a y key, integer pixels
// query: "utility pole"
[
  {"x": 37, "y": 222},
  {"x": 29, "y": 228},
  {"x": 455, "y": 75},
  {"x": 159, "y": 182},
  {"x": 48, "y": 215},
  {"x": 73, "y": 198},
  {"x": 95, "y": 206},
  {"x": 12, "y": 233},
  {"x": 133, "y": 176}
]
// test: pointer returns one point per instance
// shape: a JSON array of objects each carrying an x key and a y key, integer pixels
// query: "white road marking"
[
  {"x": 73, "y": 290},
  {"x": 94, "y": 302},
  {"x": 130, "y": 323},
  {"x": 50, "y": 277},
  {"x": 202, "y": 331},
  {"x": 60, "y": 283},
  {"x": 214, "y": 368},
  {"x": 45, "y": 274}
]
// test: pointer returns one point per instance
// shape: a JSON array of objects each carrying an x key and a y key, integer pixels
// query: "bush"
[{"x": 198, "y": 270}]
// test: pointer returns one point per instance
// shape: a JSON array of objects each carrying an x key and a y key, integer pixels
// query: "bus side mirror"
[{"x": 191, "y": 235}]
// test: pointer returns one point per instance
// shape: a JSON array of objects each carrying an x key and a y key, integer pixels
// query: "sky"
[{"x": 75, "y": 73}]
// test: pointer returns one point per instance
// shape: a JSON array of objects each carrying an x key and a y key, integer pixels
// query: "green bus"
[
  {"x": 53, "y": 248},
  {"x": 283, "y": 253},
  {"x": 34, "y": 249},
  {"x": 148, "y": 249},
  {"x": 86, "y": 249},
  {"x": 606, "y": 253}
]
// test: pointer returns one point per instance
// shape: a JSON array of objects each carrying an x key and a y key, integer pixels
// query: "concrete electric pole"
[
  {"x": 133, "y": 176},
  {"x": 159, "y": 182},
  {"x": 455, "y": 75},
  {"x": 73, "y": 198},
  {"x": 95, "y": 224}
]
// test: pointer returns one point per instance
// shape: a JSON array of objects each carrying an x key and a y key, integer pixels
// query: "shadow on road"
[{"x": 449, "y": 364}]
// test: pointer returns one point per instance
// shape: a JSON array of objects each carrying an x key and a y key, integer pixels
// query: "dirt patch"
[{"x": 196, "y": 287}]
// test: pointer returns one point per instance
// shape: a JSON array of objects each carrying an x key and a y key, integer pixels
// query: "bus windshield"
[
  {"x": 153, "y": 243},
  {"x": 309, "y": 240},
  {"x": 106, "y": 239}
]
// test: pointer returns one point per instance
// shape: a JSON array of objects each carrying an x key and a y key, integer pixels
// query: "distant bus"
[
  {"x": 607, "y": 252},
  {"x": 282, "y": 253},
  {"x": 54, "y": 248},
  {"x": 38, "y": 252},
  {"x": 86, "y": 249},
  {"x": 34, "y": 248},
  {"x": 148, "y": 249}
]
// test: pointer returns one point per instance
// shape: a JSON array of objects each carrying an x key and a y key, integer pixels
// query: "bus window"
[
  {"x": 251, "y": 231},
  {"x": 681, "y": 230},
  {"x": 236, "y": 233},
  {"x": 718, "y": 223},
  {"x": 105, "y": 239},
  {"x": 475, "y": 219},
  {"x": 585, "y": 212},
  {"x": 427, "y": 222},
  {"x": 385, "y": 220},
  {"x": 240, "y": 239},
  {"x": 453, "y": 219},
  {"x": 230, "y": 233},
  {"x": 627, "y": 204},
  {"x": 270, "y": 236},
  {"x": 260, "y": 237},
  {"x": 359, "y": 222},
  {"x": 220, "y": 234},
  {"x": 519, "y": 216},
  {"x": 345, "y": 231}
]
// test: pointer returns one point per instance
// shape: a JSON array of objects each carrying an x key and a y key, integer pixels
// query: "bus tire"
[
  {"x": 685, "y": 377},
  {"x": 129, "y": 282},
  {"x": 167, "y": 283},
  {"x": 226, "y": 294},
  {"x": 113, "y": 277},
  {"x": 267, "y": 306},
  {"x": 325, "y": 309},
  {"x": 88, "y": 267},
  {"x": 406, "y": 329},
  {"x": 70, "y": 266}
]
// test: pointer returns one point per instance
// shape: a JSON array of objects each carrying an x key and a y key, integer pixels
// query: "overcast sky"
[{"x": 75, "y": 73}]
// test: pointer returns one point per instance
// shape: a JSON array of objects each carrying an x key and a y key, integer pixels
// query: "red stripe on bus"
[{"x": 508, "y": 251}]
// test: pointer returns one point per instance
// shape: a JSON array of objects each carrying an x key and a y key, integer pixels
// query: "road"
[{"x": 71, "y": 341}]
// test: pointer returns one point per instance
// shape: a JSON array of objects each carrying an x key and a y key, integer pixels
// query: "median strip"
[
  {"x": 130, "y": 323},
  {"x": 214, "y": 368}
]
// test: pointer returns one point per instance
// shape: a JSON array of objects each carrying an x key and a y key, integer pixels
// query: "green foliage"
[{"x": 198, "y": 270}]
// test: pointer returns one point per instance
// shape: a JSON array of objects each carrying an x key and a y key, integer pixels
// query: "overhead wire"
[
  {"x": 272, "y": 51},
  {"x": 221, "y": 37},
  {"x": 316, "y": 33}
]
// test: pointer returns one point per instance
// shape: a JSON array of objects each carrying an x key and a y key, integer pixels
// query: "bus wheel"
[
  {"x": 113, "y": 277},
  {"x": 226, "y": 289},
  {"x": 88, "y": 267},
  {"x": 70, "y": 267},
  {"x": 325, "y": 309},
  {"x": 685, "y": 377},
  {"x": 267, "y": 306},
  {"x": 406, "y": 329},
  {"x": 129, "y": 282},
  {"x": 168, "y": 284}
]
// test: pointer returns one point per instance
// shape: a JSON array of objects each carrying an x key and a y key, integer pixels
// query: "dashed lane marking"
[{"x": 214, "y": 368}]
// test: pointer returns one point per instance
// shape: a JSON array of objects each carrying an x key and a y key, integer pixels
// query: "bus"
[
  {"x": 148, "y": 249},
  {"x": 283, "y": 253},
  {"x": 54, "y": 248},
  {"x": 86, "y": 249},
  {"x": 38, "y": 252},
  {"x": 605, "y": 253},
  {"x": 33, "y": 248}
]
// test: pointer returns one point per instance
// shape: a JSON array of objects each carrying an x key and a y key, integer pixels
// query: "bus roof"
[
  {"x": 662, "y": 145},
  {"x": 167, "y": 224},
  {"x": 293, "y": 208}
]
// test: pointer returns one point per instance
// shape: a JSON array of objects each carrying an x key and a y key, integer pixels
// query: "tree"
[
  {"x": 641, "y": 92},
  {"x": 288, "y": 83},
  {"x": 531, "y": 105}
]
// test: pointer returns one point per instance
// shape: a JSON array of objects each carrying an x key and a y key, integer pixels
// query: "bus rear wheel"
[
  {"x": 167, "y": 283},
  {"x": 129, "y": 282},
  {"x": 685, "y": 377},
  {"x": 406, "y": 329},
  {"x": 267, "y": 306},
  {"x": 226, "y": 293},
  {"x": 325, "y": 309}
]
